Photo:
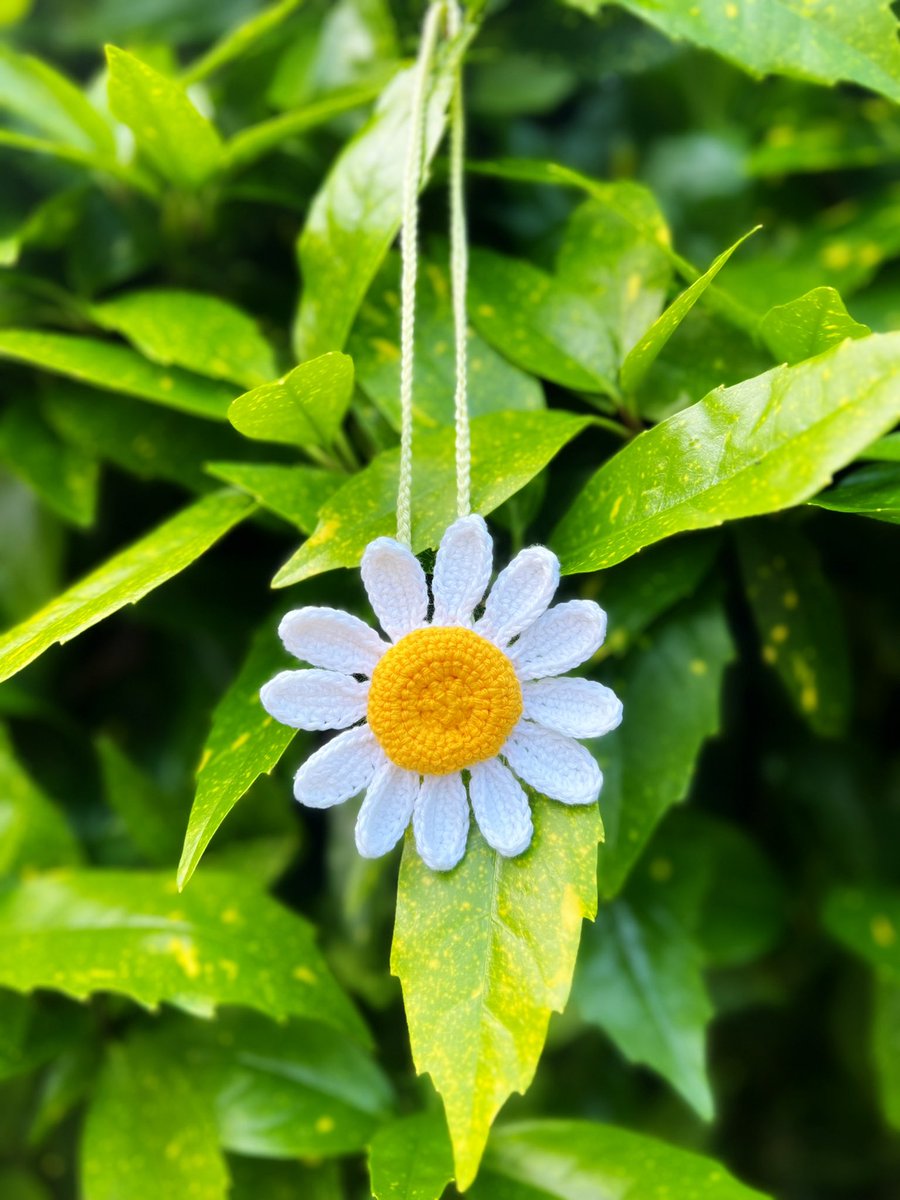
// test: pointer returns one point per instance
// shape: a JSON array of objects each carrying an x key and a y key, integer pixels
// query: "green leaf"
[
  {"x": 189, "y": 329},
  {"x": 494, "y": 384},
  {"x": 643, "y": 354},
  {"x": 308, "y": 405},
  {"x": 33, "y": 831},
  {"x": 411, "y": 1159},
  {"x": 636, "y": 592},
  {"x": 871, "y": 492},
  {"x": 577, "y": 1160},
  {"x": 616, "y": 251},
  {"x": 183, "y": 145},
  {"x": 757, "y": 447},
  {"x": 295, "y": 493},
  {"x": 258, "y": 140},
  {"x": 867, "y": 922},
  {"x": 886, "y": 449},
  {"x": 356, "y": 212},
  {"x": 809, "y": 325},
  {"x": 124, "y": 578},
  {"x": 702, "y": 895},
  {"x": 886, "y": 1044},
  {"x": 91, "y": 159},
  {"x": 66, "y": 477},
  {"x": 147, "y": 441},
  {"x": 236, "y": 43},
  {"x": 129, "y": 932},
  {"x": 799, "y": 622},
  {"x": 501, "y": 936},
  {"x": 640, "y": 978},
  {"x": 508, "y": 450},
  {"x": 147, "y": 812},
  {"x": 31, "y": 563},
  {"x": 243, "y": 743},
  {"x": 149, "y": 1131},
  {"x": 295, "y": 1089},
  {"x": 116, "y": 369},
  {"x": 671, "y": 685},
  {"x": 540, "y": 323},
  {"x": 33, "y": 90},
  {"x": 824, "y": 43}
]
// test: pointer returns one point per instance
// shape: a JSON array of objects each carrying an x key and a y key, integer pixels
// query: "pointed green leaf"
[
  {"x": 540, "y": 323},
  {"x": 116, "y": 369},
  {"x": 144, "y": 440},
  {"x": 306, "y": 406},
  {"x": 508, "y": 450},
  {"x": 356, "y": 213},
  {"x": 258, "y": 140},
  {"x": 66, "y": 477},
  {"x": 129, "y": 932},
  {"x": 236, "y": 43},
  {"x": 34, "y": 91},
  {"x": 293, "y": 1089},
  {"x": 243, "y": 743},
  {"x": 192, "y": 330},
  {"x": 295, "y": 493},
  {"x": 149, "y": 1131},
  {"x": 669, "y": 683},
  {"x": 616, "y": 252},
  {"x": 124, "y": 579},
  {"x": 640, "y": 978},
  {"x": 493, "y": 383},
  {"x": 33, "y": 831},
  {"x": 411, "y": 1159},
  {"x": 821, "y": 42},
  {"x": 580, "y": 1160},
  {"x": 809, "y": 325},
  {"x": 798, "y": 618},
  {"x": 181, "y": 143},
  {"x": 757, "y": 447},
  {"x": 149, "y": 815},
  {"x": 91, "y": 159},
  {"x": 644, "y": 353},
  {"x": 872, "y": 492},
  {"x": 499, "y": 936}
]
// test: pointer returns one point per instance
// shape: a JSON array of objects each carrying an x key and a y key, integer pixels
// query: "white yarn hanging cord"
[{"x": 409, "y": 254}]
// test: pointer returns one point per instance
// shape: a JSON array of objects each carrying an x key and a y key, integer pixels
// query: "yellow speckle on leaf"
[
  {"x": 487, "y": 310},
  {"x": 780, "y": 633},
  {"x": 324, "y": 1124},
  {"x": 185, "y": 954},
  {"x": 661, "y": 870},
  {"x": 809, "y": 698},
  {"x": 305, "y": 975},
  {"x": 791, "y": 599},
  {"x": 837, "y": 255},
  {"x": 732, "y": 12},
  {"x": 240, "y": 740},
  {"x": 166, "y": 382},
  {"x": 204, "y": 760},
  {"x": 614, "y": 511},
  {"x": 883, "y": 932},
  {"x": 770, "y": 654},
  {"x": 231, "y": 916},
  {"x": 698, "y": 666}
]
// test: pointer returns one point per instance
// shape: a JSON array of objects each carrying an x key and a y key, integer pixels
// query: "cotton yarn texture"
[{"x": 452, "y": 713}]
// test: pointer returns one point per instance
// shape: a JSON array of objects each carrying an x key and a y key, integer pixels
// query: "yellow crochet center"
[{"x": 442, "y": 699}]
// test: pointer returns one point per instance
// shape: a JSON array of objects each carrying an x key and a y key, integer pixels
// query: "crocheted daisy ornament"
[{"x": 450, "y": 712}]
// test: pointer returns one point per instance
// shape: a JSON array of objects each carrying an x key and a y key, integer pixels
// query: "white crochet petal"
[
  {"x": 395, "y": 583},
  {"x": 386, "y": 810},
  {"x": 315, "y": 699},
  {"x": 501, "y": 808},
  {"x": 327, "y": 637},
  {"x": 554, "y": 765},
  {"x": 579, "y": 708},
  {"x": 441, "y": 821},
  {"x": 341, "y": 769},
  {"x": 462, "y": 571},
  {"x": 564, "y": 637},
  {"x": 521, "y": 592}
]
